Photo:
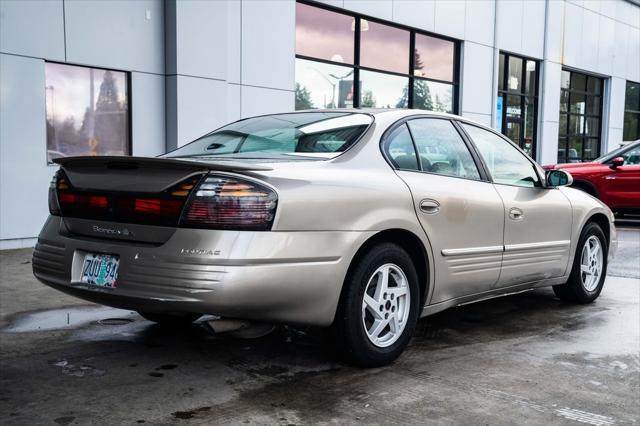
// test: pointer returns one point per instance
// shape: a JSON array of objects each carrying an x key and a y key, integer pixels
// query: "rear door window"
[{"x": 441, "y": 149}]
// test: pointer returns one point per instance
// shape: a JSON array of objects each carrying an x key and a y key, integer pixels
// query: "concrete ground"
[{"x": 525, "y": 359}]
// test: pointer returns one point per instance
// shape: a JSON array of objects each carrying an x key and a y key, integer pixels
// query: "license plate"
[{"x": 100, "y": 270}]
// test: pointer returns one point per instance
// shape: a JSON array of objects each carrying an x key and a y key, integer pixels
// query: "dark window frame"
[
  {"x": 523, "y": 95},
  {"x": 635, "y": 112},
  {"x": 358, "y": 17},
  {"x": 564, "y": 135},
  {"x": 129, "y": 144}
]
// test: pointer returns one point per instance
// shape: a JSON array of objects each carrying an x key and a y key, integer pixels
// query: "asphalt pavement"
[{"x": 525, "y": 359}]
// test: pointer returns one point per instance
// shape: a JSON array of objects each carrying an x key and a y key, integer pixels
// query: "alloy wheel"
[
  {"x": 591, "y": 262},
  {"x": 385, "y": 305}
]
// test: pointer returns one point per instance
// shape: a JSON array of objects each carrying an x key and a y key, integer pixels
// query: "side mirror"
[
  {"x": 617, "y": 162},
  {"x": 556, "y": 178}
]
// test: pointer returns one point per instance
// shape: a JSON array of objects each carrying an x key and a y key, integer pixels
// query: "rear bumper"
[{"x": 293, "y": 277}]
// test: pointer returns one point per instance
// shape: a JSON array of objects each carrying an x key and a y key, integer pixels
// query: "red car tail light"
[
  {"x": 54, "y": 206},
  {"x": 226, "y": 202}
]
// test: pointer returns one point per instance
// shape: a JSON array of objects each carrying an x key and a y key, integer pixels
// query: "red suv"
[{"x": 613, "y": 178}]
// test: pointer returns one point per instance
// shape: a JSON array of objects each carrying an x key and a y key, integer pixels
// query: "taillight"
[
  {"x": 226, "y": 202},
  {"x": 54, "y": 207}
]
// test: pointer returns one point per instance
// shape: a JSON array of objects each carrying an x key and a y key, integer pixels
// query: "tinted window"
[
  {"x": 400, "y": 150},
  {"x": 632, "y": 157},
  {"x": 383, "y": 90},
  {"x": 87, "y": 111},
  {"x": 433, "y": 58},
  {"x": 442, "y": 151},
  {"x": 384, "y": 47},
  {"x": 280, "y": 135},
  {"x": 506, "y": 164},
  {"x": 324, "y": 34}
]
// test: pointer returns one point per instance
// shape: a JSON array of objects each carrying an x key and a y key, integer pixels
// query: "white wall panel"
[
  {"x": 617, "y": 97},
  {"x": 233, "y": 102},
  {"x": 593, "y": 5},
  {"x": 555, "y": 30},
  {"x": 608, "y": 8},
  {"x": 509, "y": 25},
  {"x": 480, "y": 118},
  {"x": 590, "y": 40},
  {"x": 201, "y": 107},
  {"x": 257, "y": 100},
  {"x": 550, "y": 91},
  {"x": 382, "y": 9},
  {"x": 234, "y": 35},
  {"x": 533, "y": 15},
  {"x": 548, "y": 149},
  {"x": 147, "y": 114},
  {"x": 606, "y": 45},
  {"x": 613, "y": 137},
  {"x": 621, "y": 51},
  {"x": 479, "y": 21},
  {"x": 268, "y": 43},
  {"x": 477, "y": 78},
  {"x": 335, "y": 3},
  {"x": 201, "y": 39},
  {"x": 116, "y": 34},
  {"x": 450, "y": 17},
  {"x": 415, "y": 13},
  {"x": 628, "y": 13},
  {"x": 32, "y": 28},
  {"x": 572, "y": 47},
  {"x": 24, "y": 174}
]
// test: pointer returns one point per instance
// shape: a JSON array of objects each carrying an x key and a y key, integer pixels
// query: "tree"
[
  {"x": 110, "y": 118},
  {"x": 303, "y": 97},
  {"x": 421, "y": 93},
  {"x": 368, "y": 101}
]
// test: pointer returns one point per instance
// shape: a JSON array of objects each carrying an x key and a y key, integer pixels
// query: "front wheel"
[
  {"x": 589, "y": 268},
  {"x": 379, "y": 307}
]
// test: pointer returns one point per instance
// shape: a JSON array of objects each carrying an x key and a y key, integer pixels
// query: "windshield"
[
  {"x": 617, "y": 152},
  {"x": 295, "y": 135}
]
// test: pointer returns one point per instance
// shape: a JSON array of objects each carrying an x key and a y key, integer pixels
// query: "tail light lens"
[
  {"x": 225, "y": 202},
  {"x": 54, "y": 206}
]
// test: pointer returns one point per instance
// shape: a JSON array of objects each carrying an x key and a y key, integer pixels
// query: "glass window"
[
  {"x": 320, "y": 85},
  {"x": 281, "y": 136},
  {"x": 324, "y": 34},
  {"x": 514, "y": 82},
  {"x": 441, "y": 149},
  {"x": 580, "y": 117},
  {"x": 501, "y": 68},
  {"x": 518, "y": 119},
  {"x": 383, "y": 90},
  {"x": 87, "y": 111},
  {"x": 400, "y": 150},
  {"x": 632, "y": 157},
  {"x": 384, "y": 47},
  {"x": 631, "y": 129},
  {"x": 432, "y": 96},
  {"x": 383, "y": 72},
  {"x": 506, "y": 164},
  {"x": 433, "y": 58}
]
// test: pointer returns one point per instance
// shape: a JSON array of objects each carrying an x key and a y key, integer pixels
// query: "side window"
[
  {"x": 441, "y": 148},
  {"x": 632, "y": 157},
  {"x": 399, "y": 149},
  {"x": 506, "y": 164}
]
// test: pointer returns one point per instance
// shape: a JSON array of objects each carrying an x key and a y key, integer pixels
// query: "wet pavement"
[{"x": 526, "y": 359}]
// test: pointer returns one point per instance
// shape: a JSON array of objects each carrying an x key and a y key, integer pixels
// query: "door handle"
[
  {"x": 516, "y": 214},
  {"x": 429, "y": 206}
]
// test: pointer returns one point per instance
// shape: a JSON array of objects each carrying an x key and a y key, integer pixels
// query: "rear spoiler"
[{"x": 131, "y": 163}]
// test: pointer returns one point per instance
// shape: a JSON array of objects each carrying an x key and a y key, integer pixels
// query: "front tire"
[
  {"x": 589, "y": 268},
  {"x": 379, "y": 307}
]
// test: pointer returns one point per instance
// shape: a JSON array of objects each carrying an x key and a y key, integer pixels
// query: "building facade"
[{"x": 92, "y": 77}]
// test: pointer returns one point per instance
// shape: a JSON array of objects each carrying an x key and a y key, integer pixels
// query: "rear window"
[{"x": 303, "y": 135}]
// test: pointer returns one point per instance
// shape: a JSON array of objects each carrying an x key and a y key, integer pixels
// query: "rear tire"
[
  {"x": 379, "y": 307},
  {"x": 170, "y": 319},
  {"x": 589, "y": 268}
]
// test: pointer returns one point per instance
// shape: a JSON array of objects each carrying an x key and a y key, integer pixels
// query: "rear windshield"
[{"x": 295, "y": 135}]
